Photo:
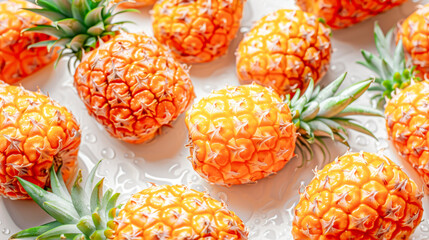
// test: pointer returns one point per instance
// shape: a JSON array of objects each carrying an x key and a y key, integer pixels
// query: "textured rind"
[
  {"x": 414, "y": 32},
  {"x": 240, "y": 134},
  {"x": 284, "y": 50},
  {"x": 133, "y": 86},
  {"x": 197, "y": 30},
  {"x": 16, "y": 59},
  {"x": 176, "y": 212},
  {"x": 341, "y": 14},
  {"x": 135, "y": 3},
  {"x": 35, "y": 133},
  {"x": 359, "y": 196},
  {"x": 407, "y": 123}
]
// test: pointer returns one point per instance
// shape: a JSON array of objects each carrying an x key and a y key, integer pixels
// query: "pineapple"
[
  {"x": 158, "y": 212},
  {"x": 130, "y": 83},
  {"x": 406, "y": 111},
  {"x": 16, "y": 59},
  {"x": 242, "y": 134},
  {"x": 414, "y": 36},
  {"x": 358, "y": 196},
  {"x": 342, "y": 14},
  {"x": 284, "y": 50},
  {"x": 134, "y": 3},
  {"x": 36, "y": 133},
  {"x": 197, "y": 31}
]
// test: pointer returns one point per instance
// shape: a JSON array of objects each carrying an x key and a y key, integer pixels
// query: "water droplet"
[
  {"x": 0, "y": 222},
  {"x": 222, "y": 196},
  {"x": 91, "y": 138},
  {"x": 244, "y": 29},
  {"x": 257, "y": 221},
  {"x": 338, "y": 67},
  {"x": 424, "y": 228},
  {"x": 371, "y": 125},
  {"x": 194, "y": 178},
  {"x": 129, "y": 155},
  {"x": 136, "y": 161},
  {"x": 108, "y": 153},
  {"x": 208, "y": 88},
  {"x": 270, "y": 234},
  {"x": 6, "y": 231},
  {"x": 361, "y": 141}
]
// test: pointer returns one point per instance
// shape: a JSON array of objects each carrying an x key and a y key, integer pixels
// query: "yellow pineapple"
[
  {"x": 284, "y": 50},
  {"x": 129, "y": 82},
  {"x": 342, "y": 14},
  {"x": 158, "y": 212},
  {"x": 36, "y": 133},
  {"x": 358, "y": 196},
  {"x": 406, "y": 111},
  {"x": 197, "y": 31},
  {"x": 17, "y": 60},
  {"x": 414, "y": 35},
  {"x": 243, "y": 134}
]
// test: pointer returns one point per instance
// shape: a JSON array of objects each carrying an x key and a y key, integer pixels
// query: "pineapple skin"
[
  {"x": 240, "y": 134},
  {"x": 176, "y": 212},
  {"x": 135, "y": 3},
  {"x": 414, "y": 35},
  {"x": 407, "y": 123},
  {"x": 16, "y": 59},
  {"x": 343, "y": 14},
  {"x": 197, "y": 31},
  {"x": 284, "y": 50},
  {"x": 35, "y": 133},
  {"x": 133, "y": 86},
  {"x": 358, "y": 196}
]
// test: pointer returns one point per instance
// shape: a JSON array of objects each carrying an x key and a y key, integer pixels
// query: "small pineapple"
[
  {"x": 414, "y": 36},
  {"x": 342, "y": 14},
  {"x": 197, "y": 31},
  {"x": 130, "y": 83},
  {"x": 358, "y": 196},
  {"x": 284, "y": 50},
  {"x": 242, "y": 134},
  {"x": 17, "y": 60},
  {"x": 159, "y": 212},
  {"x": 406, "y": 111},
  {"x": 36, "y": 133}
]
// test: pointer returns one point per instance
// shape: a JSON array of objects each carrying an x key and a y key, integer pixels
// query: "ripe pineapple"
[
  {"x": 159, "y": 212},
  {"x": 131, "y": 84},
  {"x": 197, "y": 31},
  {"x": 242, "y": 134},
  {"x": 358, "y": 196},
  {"x": 36, "y": 133},
  {"x": 134, "y": 3},
  {"x": 16, "y": 59},
  {"x": 406, "y": 111},
  {"x": 414, "y": 35},
  {"x": 284, "y": 50},
  {"x": 342, "y": 14}
]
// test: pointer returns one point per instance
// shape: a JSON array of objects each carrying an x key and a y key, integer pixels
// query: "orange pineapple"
[
  {"x": 414, "y": 34},
  {"x": 284, "y": 50},
  {"x": 406, "y": 111},
  {"x": 134, "y": 3},
  {"x": 358, "y": 196},
  {"x": 16, "y": 59},
  {"x": 131, "y": 84},
  {"x": 242, "y": 134},
  {"x": 197, "y": 31},
  {"x": 158, "y": 212},
  {"x": 342, "y": 14},
  {"x": 35, "y": 134}
]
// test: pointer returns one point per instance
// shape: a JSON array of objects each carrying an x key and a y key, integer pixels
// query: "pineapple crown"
[
  {"x": 389, "y": 66},
  {"x": 85, "y": 213},
  {"x": 78, "y": 25},
  {"x": 325, "y": 113}
]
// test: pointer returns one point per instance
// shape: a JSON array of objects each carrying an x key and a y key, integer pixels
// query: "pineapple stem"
[
  {"x": 321, "y": 113},
  {"x": 389, "y": 66}
]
